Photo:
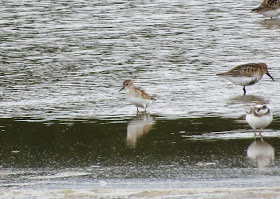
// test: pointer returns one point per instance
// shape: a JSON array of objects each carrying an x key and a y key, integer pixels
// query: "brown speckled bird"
[
  {"x": 269, "y": 8},
  {"x": 136, "y": 96},
  {"x": 246, "y": 74}
]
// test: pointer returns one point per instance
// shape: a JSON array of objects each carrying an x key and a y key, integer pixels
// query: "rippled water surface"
[{"x": 67, "y": 131}]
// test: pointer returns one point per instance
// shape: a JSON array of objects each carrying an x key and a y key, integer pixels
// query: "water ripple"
[{"x": 69, "y": 59}]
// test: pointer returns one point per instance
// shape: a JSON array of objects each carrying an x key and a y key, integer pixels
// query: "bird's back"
[
  {"x": 142, "y": 94},
  {"x": 245, "y": 70},
  {"x": 268, "y": 5}
]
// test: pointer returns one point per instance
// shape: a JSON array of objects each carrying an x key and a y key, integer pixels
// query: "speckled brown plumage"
[
  {"x": 137, "y": 96},
  {"x": 247, "y": 70},
  {"x": 268, "y": 5},
  {"x": 246, "y": 74},
  {"x": 137, "y": 92},
  {"x": 142, "y": 94}
]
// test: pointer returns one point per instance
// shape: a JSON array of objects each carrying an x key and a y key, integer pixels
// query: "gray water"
[{"x": 66, "y": 131}]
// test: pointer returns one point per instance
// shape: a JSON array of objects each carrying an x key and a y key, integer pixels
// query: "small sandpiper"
[
  {"x": 259, "y": 117},
  {"x": 246, "y": 74},
  {"x": 136, "y": 96},
  {"x": 269, "y": 8}
]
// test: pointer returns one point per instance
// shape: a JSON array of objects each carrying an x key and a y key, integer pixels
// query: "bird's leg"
[
  {"x": 137, "y": 110},
  {"x": 255, "y": 133},
  {"x": 261, "y": 133},
  {"x": 244, "y": 90}
]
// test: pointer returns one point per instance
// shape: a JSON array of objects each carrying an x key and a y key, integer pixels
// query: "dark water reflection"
[
  {"x": 159, "y": 142},
  {"x": 143, "y": 151},
  {"x": 140, "y": 125}
]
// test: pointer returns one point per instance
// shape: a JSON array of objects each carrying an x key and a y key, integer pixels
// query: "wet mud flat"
[
  {"x": 144, "y": 156},
  {"x": 70, "y": 187}
]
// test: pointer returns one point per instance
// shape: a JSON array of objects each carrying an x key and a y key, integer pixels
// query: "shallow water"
[{"x": 66, "y": 131}]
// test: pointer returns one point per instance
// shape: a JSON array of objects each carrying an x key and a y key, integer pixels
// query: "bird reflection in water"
[
  {"x": 271, "y": 24},
  {"x": 140, "y": 125},
  {"x": 262, "y": 153},
  {"x": 246, "y": 99}
]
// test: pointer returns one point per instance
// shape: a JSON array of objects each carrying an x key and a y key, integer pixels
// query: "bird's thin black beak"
[
  {"x": 270, "y": 76},
  {"x": 121, "y": 89}
]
